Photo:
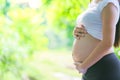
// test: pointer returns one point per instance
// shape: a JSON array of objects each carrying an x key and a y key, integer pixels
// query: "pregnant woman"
[{"x": 97, "y": 32}]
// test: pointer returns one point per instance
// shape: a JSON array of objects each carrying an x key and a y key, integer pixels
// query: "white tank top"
[{"x": 91, "y": 18}]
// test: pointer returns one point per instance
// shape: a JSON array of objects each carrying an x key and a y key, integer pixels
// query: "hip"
[{"x": 107, "y": 68}]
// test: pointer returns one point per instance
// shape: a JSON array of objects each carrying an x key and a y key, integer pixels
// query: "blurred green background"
[{"x": 36, "y": 39}]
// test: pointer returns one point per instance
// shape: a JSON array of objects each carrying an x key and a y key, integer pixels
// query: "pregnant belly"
[{"x": 83, "y": 47}]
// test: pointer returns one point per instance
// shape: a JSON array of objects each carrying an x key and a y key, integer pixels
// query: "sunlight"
[{"x": 31, "y": 3}]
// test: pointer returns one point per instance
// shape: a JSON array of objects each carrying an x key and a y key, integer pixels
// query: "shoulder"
[
  {"x": 105, "y": 3},
  {"x": 110, "y": 12}
]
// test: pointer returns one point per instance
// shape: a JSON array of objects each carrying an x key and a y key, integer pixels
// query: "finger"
[
  {"x": 84, "y": 30},
  {"x": 80, "y": 30},
  {"x": 77, "y": 37},
  {"x": 75, "y": 34},
  {"x": 80, "y": 26},
  {"x": 76, "y": 30},
  {"x": 83, "y": 35},
  {"x": 83, "y": 26},
  {"x": 77, "y": 63},
  {"x": 79, "y": 34},
  {"x": 77, "y": 67}
]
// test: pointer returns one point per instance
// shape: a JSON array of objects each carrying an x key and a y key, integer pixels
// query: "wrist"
[
  {"x": 80, "y": 68},
  {"x": 83, "y": 67},
  {"x": 83, "y": 71}
]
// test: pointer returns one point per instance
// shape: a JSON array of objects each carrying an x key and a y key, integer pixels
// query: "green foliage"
[
  {"x": 61, "y": 17},
  {"x": 27, "y": 23},
  {"x": 117, "y": 51},
  {"x": 50, "y": 66},
  {"x": 25, "y": 30},
  {"x": 21, "y": 34},
  {"x": 12, "y": 53}
]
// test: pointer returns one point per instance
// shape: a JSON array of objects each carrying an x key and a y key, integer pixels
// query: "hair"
[{"x": 117, "y": 34}]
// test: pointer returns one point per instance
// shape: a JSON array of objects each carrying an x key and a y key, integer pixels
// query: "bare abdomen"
[{"x": 83, "y": 47}]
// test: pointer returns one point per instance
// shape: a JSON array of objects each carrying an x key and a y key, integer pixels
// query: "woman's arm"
[{"x": 109, "y": 20}]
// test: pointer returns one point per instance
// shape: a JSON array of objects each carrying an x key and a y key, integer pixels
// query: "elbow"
[{"x": 107, "y": 44}]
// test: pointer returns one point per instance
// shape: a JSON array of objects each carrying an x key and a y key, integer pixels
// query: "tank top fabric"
[{"x": 91, "y": 17}]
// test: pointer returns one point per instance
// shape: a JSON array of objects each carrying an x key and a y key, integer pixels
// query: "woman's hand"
[
  {"x": 79, "y": 68},
  {"x": 79, "y": 31}
]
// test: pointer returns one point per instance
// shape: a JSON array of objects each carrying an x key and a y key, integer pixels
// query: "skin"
[{"x": 101, "y": 48}]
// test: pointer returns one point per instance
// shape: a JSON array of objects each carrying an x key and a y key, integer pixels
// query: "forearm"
[{"x": 96, "y": 55}]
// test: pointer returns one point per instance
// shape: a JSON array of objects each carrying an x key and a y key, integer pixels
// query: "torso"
[{"x": 83, "y": 47}]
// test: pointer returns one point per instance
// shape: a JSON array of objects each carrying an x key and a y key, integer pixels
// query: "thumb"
[
  {"x": 82, "y": 26},
  {"x": 77, "y": 63}
]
